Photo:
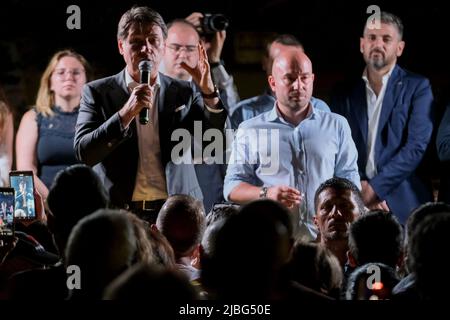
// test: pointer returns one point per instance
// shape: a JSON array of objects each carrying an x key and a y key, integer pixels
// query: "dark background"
[{"x": 30, "y": 32}]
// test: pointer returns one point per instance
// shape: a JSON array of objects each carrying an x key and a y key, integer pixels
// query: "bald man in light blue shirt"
[{"x": 287, "y": 152}]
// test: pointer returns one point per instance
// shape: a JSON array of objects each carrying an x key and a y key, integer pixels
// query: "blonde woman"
[
  {"x": 6, "y": 141},
  {"x": 44, "y": 142}
]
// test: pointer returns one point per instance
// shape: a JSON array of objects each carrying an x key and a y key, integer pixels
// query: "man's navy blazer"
[
  {"x": 102, "y": 142},
  {"x": 404, "y": 132}
]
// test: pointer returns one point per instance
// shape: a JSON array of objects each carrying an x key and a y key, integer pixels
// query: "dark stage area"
[{"x": 31, "y": 32}]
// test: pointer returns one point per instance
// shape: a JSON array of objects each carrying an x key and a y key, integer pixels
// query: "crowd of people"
[{"x": 313, "y": 201}]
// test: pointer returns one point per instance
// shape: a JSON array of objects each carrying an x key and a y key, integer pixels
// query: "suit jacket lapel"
[
  {"x": 162, "y": 92},
  {"x": 120, "y": 94},
  {"x": 391, "y": 96},
  {"x": 120, "y": 91}
]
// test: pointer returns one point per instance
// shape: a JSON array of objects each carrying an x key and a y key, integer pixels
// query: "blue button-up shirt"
[{"x": 269, "y": 151}]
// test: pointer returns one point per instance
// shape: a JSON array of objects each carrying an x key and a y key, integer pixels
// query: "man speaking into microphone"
[{"x": 130, "y": 154}]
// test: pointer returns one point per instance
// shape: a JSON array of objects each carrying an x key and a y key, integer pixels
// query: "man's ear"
[
  {"x": 361, "y": 44},
  {"x": 351, "y": 259},
  {"x": 400, "y": 48},
  {"x": 120, "y": 45},
  {"x": 316, "y": 223},
  {"x": 271, "y": 81},
  {"x": 154, "y": 228}
]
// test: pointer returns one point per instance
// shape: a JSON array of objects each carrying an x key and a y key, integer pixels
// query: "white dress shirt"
[
  {"x": 374, "y": 105},
  {"x": 150, "y": 177}
]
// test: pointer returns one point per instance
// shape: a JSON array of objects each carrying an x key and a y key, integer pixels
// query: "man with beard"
[
  {"x": 285, "y": 153},
  {"x": 338, "y": 203},
  {"x": 390, "y": 114}
]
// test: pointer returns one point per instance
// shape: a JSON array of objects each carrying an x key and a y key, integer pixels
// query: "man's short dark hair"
[
  {"x": 248, "y": 249},
  {"x": 76, "y": 188},
  {"x": 376, "y": 236},
  {"x": 392, "y": 19},
  {"x": 75, "y": 193},
  {"x": 102, "y": 245},
  {"x": 221, "y": 211},
  {"x": 340, "y": 184},
  {"x": 182, "y": 212},
  {"x": 421, "y": 212},
  {"x": 141, "y": 16},
  {"x": 284, "y": 39},
  {"x": 429, "y": 256}
]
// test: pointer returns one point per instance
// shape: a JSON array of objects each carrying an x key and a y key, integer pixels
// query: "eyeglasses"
[
  {"x": 176, "y": 48},
  {"x": 61, "y": 73}
]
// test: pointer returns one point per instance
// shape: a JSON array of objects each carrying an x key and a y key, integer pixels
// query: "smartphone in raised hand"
[
  {"x": 7, "y": 200},
  {"x": 24, "y": 202}
]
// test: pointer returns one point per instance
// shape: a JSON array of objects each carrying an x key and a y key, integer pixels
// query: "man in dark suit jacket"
[
  {"x": 390, "y": 114},
  {"x": 136, "y": 162}
]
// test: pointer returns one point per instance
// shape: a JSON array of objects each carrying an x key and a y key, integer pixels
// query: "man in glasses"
[
  {"x": 181, "y": 47},
  {"x": 182, "y": 40}
]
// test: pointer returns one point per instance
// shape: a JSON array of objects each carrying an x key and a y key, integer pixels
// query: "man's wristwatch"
[
  {"x": 214, "y": 94},
  {"x": 263, "y": 192}
]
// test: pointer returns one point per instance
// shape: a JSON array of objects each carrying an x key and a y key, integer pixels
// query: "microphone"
[{"x": 145, "y": 66}]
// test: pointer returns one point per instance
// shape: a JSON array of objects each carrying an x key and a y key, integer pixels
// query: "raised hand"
[
  {"x": 215, "y": 49},
  {"x": 201, "y": 72},
  {"x": 195, "y": 18}
]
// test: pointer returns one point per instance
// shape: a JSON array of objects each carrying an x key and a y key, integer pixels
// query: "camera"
[{"x": 212, "y": 23}]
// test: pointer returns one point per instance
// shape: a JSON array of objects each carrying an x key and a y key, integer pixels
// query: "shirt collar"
[
  {"x": 384, "y": 80},
  {"x": 131, "y": 84},
  {"x": 275, "y": 115}
]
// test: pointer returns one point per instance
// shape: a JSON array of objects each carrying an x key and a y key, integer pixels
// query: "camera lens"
[{"x": 214, "y": 22}]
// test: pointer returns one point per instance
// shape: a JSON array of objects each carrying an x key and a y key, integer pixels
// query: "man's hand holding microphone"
[{"x": 141, "y": 98}]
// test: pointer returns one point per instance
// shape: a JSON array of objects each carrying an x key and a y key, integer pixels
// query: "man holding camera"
[
  {"x": 212, "y": 32},
  {"x": 183, "y": 38}
]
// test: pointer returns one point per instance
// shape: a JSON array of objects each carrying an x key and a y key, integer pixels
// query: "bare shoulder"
[{"x": 29, "y": 119}]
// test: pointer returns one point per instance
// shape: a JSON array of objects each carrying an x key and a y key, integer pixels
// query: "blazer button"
[{"x": 109, "y": 144}]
